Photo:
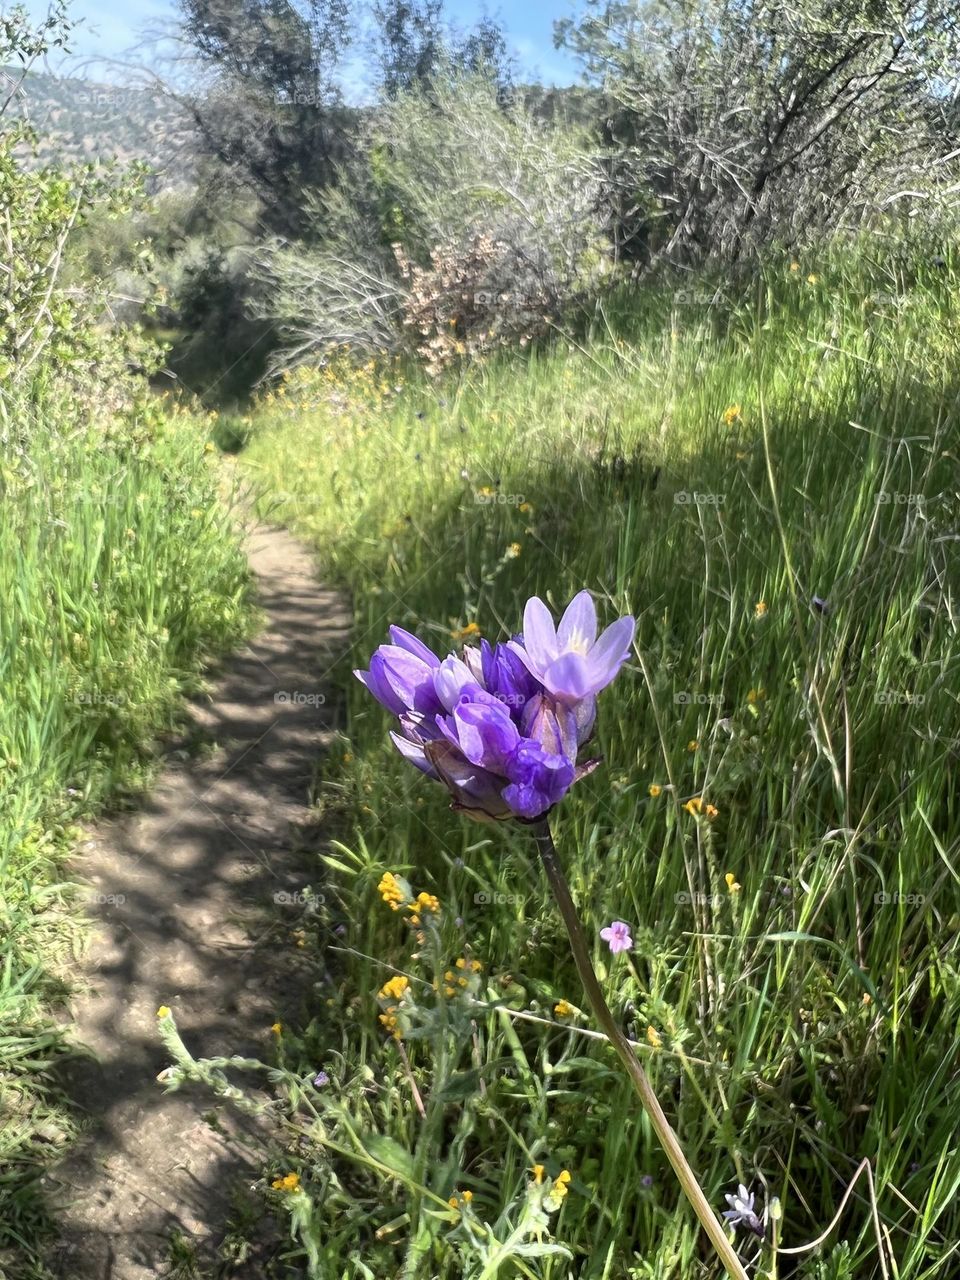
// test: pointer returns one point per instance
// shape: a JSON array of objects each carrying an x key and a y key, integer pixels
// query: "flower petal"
[
  {"x": 416, "y": 755},
  {"x": 404, "y": 640},
  {"x": 578, "y": 626},
  {"x": 449, "y": 680},
  {"x": 610, "y": 653},
  {"x": 539, "y": 635},
  {"x": 569, "y": 678}
]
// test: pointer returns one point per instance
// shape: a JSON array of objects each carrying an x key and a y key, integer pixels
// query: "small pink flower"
[{"x": 617, "y": 936}]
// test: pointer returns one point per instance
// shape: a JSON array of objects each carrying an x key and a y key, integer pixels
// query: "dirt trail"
[{"x": 183, "y": 888}]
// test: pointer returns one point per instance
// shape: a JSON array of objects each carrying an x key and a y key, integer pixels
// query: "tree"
[
  {"x": 416, "y": 44},
  {"x": 270, "y": 109},
  {"x": 736, "y": 122}
]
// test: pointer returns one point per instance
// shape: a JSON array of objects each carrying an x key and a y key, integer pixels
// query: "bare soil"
[{"x": 182, "y": 891}]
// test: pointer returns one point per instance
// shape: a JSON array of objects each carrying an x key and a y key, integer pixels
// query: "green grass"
[
  {"x": 119, "y": 576},
  {"x": 806, "y": 1021}
]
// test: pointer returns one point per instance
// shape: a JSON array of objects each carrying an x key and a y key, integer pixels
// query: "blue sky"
[{"x": 112, "y": 28}]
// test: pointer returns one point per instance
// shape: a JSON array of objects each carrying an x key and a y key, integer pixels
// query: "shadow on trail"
[{"x": 190, "y": 892}]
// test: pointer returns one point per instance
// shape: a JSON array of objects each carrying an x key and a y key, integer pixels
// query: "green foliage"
[
  {"x": 119, "y": 575},
  {"x": 734, "y": 126},
  {"x": 463, "y": 224},
  {"x": 766, "y": 479}
]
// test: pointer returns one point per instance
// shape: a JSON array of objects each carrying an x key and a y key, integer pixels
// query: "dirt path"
[{"x": 183, "y": 888}]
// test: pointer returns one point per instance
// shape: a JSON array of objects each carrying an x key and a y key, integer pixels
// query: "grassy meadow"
[
  {"x": 122, "y": 575},
  {"x": 768, "y": 481}
]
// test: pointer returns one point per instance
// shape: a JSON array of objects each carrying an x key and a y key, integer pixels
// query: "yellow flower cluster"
[
  {"x": 289, "y": 1182},
  {"x": 564, "y": 1009},
  {"x": 391, "y": 891},
  {"x": 393, "y": 990},
  {"x": 459, "y": 1199},
  {"x": 423, "y": 902},
  {"x": 696, "y": 806},
  {"x": 460, "y": 978},
  {"x": 468, "y": 632},
  {"x": 396, "y": 988},
  {"x": 557, "y": 1190}
]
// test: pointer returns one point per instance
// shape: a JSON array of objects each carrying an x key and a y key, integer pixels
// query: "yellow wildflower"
[
  {"x": 163, "y": 1012},
  {"x": 395, "y": 988},
  {"x": 390, "y": 891},
  {"x": 427, "y": 902},
  {"x": 711, "y": 811},
  {"x": 794, "y": 266},
  {"x": 694, "y": 805},
  {"x": 465, "y": 633},
  {"x": 731, "y": 414},
  {"x": 513, "y": 550},
  {"x": 760, "y": 609},
  {"x": 537, "y": 1172},
  {"x": 564, "y": 1009},
  {"x": 693, "y": 745},
  {"x": 756, "y": 695},
  {"x": 525, "y": 507},
  {"x": 654, "y": 790},
  {"x": 289, "y": 1182},
  {"x": 558, "y": 1191},
  {"x": 732, "y": 885},
  {"x": 277, "y": 1028},
  {"x": 653, "y": 1038}
]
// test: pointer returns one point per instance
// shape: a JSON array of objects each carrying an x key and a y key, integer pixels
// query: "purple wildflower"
[
  {"x": 741, "y": 1212},
  {"x": 617, "y": 936},
  {"x": 568, "y": 660},
  {"x": 501, "y": 738},
  {"x": 320, "y": 1079}
]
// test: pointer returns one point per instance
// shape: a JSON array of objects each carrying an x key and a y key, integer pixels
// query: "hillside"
[{"x": 80, "y": 121}]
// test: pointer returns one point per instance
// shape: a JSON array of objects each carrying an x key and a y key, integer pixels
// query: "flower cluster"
[
  {"x": 392, "y": 995},
  {"x": 397, "y": 894},
  {"x": 463, "y": 978},
  {"x": 502, "y": 727}
]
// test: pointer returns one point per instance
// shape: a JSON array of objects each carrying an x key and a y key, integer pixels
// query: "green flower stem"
[{"x": 591, "y": 984}]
